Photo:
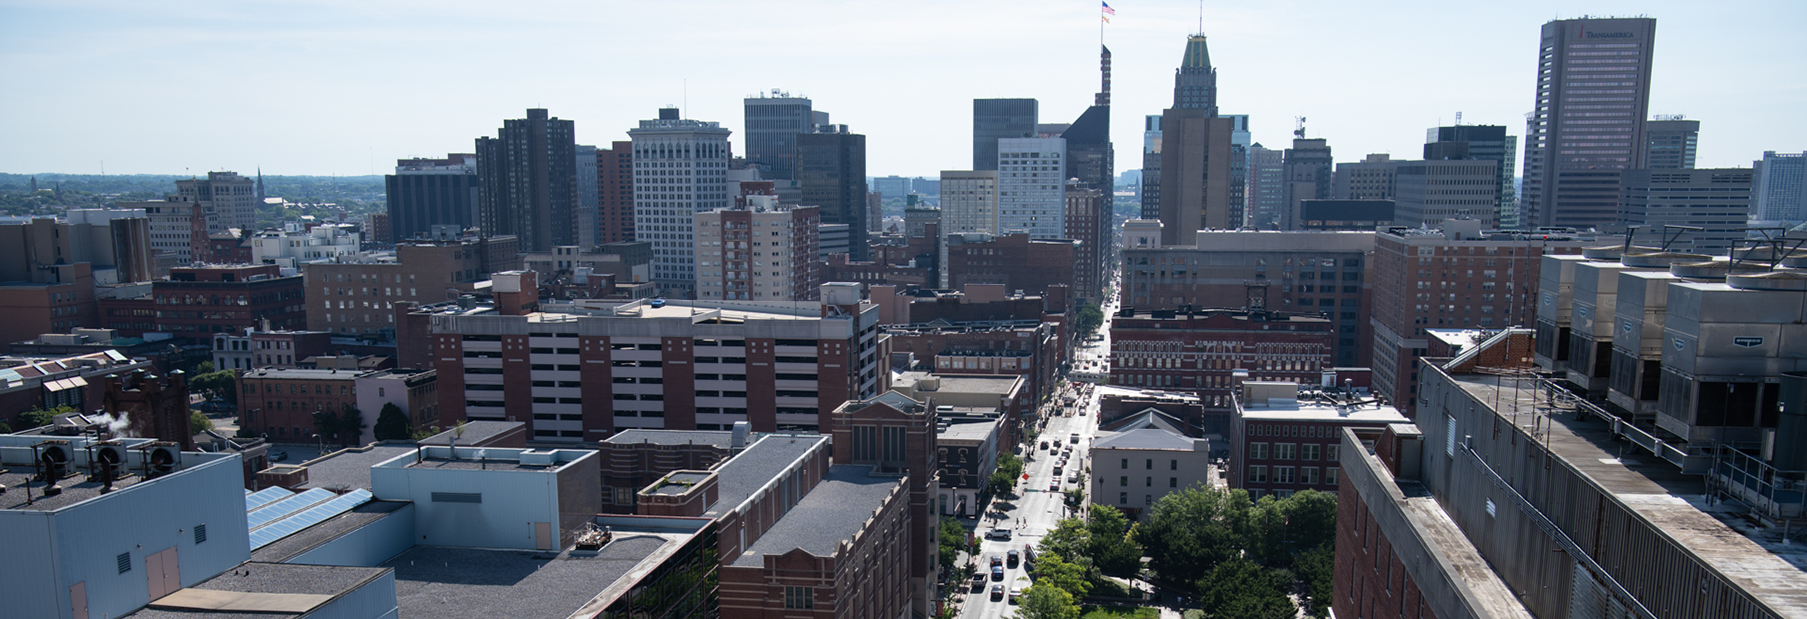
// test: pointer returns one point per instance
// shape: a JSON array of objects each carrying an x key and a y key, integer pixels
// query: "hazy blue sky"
[{"x": 346, "y": 87}]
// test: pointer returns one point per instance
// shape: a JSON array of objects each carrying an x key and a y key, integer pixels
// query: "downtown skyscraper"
[
  {"x": 1092, "y": 160},
  {"x": 1196, "y": 153},
  {"x": 995, "y": 119},
  {"x": 772, "y": 125},
  {"x": 1593, "y": 94},
  {"x": 831, "y": 173},
  {"x": 527, "y": 182},
  {"x": 680, "y": 169}
]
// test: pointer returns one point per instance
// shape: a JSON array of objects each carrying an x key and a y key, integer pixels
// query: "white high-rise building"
[
  {"x": 680, "y": 169},
  {"x": 1032, "y": 186},
  {"x": 969, "y": 201},
  {"x": 1779, "y": 194}
]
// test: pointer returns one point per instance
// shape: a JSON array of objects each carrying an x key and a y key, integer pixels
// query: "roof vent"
[
  {"x": 739, "y": 439},
  {"x": 537, "y": 458}
]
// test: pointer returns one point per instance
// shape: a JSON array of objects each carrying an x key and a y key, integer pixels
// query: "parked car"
[
  {"x": 978, "y": 582},
  {"x": 1014, "y": 558},
  {"x": 1073, "y": 478},
  {"x": 1015, "y": 592}
]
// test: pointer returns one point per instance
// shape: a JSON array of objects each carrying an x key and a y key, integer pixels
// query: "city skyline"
[{"x": 346, "y": 89}]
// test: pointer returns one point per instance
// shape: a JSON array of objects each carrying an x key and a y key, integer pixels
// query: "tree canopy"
[
  {"x": 392, "y": 424},
  {"x": 1240, "y": 589},
  {"x": 1044, "y": 601}
]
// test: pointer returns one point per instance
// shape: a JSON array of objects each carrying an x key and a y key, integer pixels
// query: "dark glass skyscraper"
[
  {"x": 773, "y": 124},
  {"x": 1093, "y": 160},
  {"x": 423, "y": 193},
  {"x": 831, "y": 172},
  {"x": 999, "y": 118},
  {"x": 527, "y": 182},
  {"x": 1593, "y": 93}
]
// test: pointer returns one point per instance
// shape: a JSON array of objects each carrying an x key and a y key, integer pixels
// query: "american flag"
[{"x": 1108, "y": 10}]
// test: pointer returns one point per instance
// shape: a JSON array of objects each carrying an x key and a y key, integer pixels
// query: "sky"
[{"x": 346, "y": 87}]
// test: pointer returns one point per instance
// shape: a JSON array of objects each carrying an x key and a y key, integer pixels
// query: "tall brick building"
[
  {"x": 356, "y": 295},
  {"x": 1201, "y": 350},
  {"x": 1011, "y": 259},
  {"x": 1084, "y": 205},
  {"x": 1459, "y": 277},
  {"x": 615, "y": 193},
  {"x": 1307, "y": 272},
  {"x": 197, "y": 302},
  {"x": 581, "y": 372}
]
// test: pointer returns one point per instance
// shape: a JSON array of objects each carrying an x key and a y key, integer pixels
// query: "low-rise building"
[
  {"x": 967, "y": 454},
  {"x": 1284, "y": 439},
  {"x": 76, "y": 382},
  {"x": 356, "y": 294},
  {"x": 1134, "y": 468},
  {"x": 199, "y": 301},
  {"x": 295, "y": 245},
  {"x": 283, "y": 404}
]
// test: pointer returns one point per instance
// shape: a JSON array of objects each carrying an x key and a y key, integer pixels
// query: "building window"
[
  {"x": 1308, "y": 475},
  {"x": 1257, "y": 451},
  {"x": 1258, "y": 474},
  {"x": 1122, "y": 498},
  {"x": 1126, "y": 463},
  {"x": 1283, "y": 474},
  {"x": 1150, "y": 464},
  {"x": 1149, "y": 483},
  {"x": 1333, "y": 452},
  {"x": 1309, "y": 452},
  {"x": 1173, "y": 482},
  {"x": 1123, "y": 481},
  {"x": 1285, "y": 451},
  {"x": 1331, "y": 475},
  {"x": 1173, "y": 465},
  {"x": 800, "y": 597}
]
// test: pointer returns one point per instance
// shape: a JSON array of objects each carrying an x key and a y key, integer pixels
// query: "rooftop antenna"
[
  {"x": 1458, "y": 119},
  {"x": 1300, "y": 131},
  {"x": 1201, "y": 17}
]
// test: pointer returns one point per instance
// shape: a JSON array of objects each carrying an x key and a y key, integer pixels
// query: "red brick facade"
[{"x": 1370, "y": 581}]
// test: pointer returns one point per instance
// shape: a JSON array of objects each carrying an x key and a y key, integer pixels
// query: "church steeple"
[{"x": 1195, "y": 82}]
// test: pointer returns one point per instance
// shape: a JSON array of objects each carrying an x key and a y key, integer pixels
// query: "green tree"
[
  {"x": 5, "y": 428},
  {"x": 1051, "y": 569},
  {"x": 392, "y": 424},
  {"x": 204, "y": 367},
  {"x": 1239, "y": 589},
  {"x": 1046, "y": 602},
  {"x": 38, "y": 417},
  {"x": 1317, "y": 567},
  {"x": 351, "y": 427},
  {"x": 1111, "y": 547},
  {"x": 1191, "y": 531},
  {"x": 1088, "y": 319},
  {"x": 198, "y": 422},
  {"x": 1070, "y": 540},
  {"x": 1004, "y": 478},
  {"x": 952, "y": 541},
  {"x": 222, "y": 384}
]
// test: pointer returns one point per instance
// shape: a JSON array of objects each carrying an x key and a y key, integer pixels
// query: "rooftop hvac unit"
[
  {"x": 160, "y": 458},
  {"x": 537, "y": 458},
  {"x": 50, "y": 458},
  {"x": 107, "y": 462}
]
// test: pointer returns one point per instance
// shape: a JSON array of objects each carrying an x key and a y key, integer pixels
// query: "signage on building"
[
  {"x": 1679, "y": 344},
  {"x": 1748, "y": 341}
]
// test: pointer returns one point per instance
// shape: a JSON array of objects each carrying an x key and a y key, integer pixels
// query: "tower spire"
[{"x": 1104, "y": 67}]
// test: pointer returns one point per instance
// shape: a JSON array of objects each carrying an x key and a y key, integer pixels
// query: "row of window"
[
  {"x": 1305, "y": 475},
  {"x": 1292, "y": 451}
]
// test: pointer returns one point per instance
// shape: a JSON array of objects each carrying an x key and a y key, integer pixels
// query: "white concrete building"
[
  {"x": 969, "y": 201},
  {"x": 1032, "y": 186},
  {"x": 1131, "y": 470},
  {"x": 763, "y": 252},
  {"x": 292, "y": 246},
  {"x": 680, "y": 169}
]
